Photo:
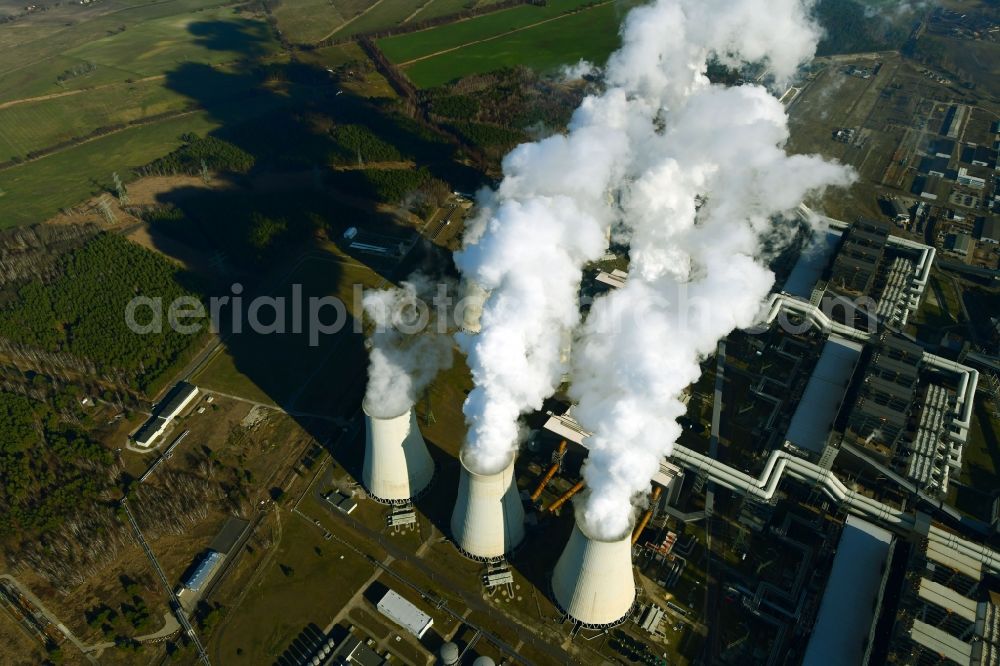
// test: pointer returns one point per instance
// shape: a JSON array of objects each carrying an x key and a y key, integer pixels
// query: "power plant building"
[
  {"x": 204, "y": 571},
  {"x": 405, "y": 614},
  {"x": 397, "y": 465},
  {"x": 843, "y": 633},
  {"x": 813, "y": 420},
  {"x": 887, "y": 391},
  {"x": 949, "y": 606}
]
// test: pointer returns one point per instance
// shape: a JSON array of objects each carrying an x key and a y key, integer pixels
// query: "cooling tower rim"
[
  {"x": 375, "y": 417},
  {"x": 479, "y": 475},
  {"x": 581, "y": 525}
]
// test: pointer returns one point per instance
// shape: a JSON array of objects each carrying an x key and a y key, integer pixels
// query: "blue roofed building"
[{"x": 204, "y": 571}]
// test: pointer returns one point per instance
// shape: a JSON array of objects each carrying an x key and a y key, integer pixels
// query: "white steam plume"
[
  {"x": 408, "y": 346},
  {"x": 549, "y": 217},
  {"x": 698, "y": 208},
  {"x": 663, "y": 141}
]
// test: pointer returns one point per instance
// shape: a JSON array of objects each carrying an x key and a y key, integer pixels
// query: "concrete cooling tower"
[
  {"x": 593, "y": 581},
  {"x": 488, "y": 520},
  {"x": 397, "y": 464},
  {"x": 473, "y": 299}
]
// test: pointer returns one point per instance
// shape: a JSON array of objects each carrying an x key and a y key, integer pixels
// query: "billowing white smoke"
[
  {"x": 408, "y": 347},
  {"x": 549, "y": 216},
  {"x": 695, "y": 275},
  {"x": 698, "y": 172}
]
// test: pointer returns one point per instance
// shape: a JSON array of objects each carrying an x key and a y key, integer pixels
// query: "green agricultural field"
[
  {"x": 41, "y": 78},
  {"x": 433, "y": 8},
  {"x": 405, "y": 48},
  {"x": 156, "y": 46},
  {"x": 307, "y": 21},
  {"x": 30, "y": 67},
  {"x": 40, "y": 124},
  {"x": 591, "y": 34},
  {"x": 37, "y": 190},
  {"x": 383, "y": 14}
]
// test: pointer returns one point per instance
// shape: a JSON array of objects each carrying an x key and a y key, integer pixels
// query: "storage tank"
[
  {"x": 449, "y": 654},
  {"x": 488, "y": 520},
  {"x": 397, "y": 465},
  {"x": 593, "y": 581}
]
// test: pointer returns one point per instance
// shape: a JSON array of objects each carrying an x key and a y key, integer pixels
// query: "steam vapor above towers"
[
  {"x": 408, "y": 346},
  {"x": 690, "y": 176}
]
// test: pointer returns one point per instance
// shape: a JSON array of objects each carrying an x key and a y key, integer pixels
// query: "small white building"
[
  {"x": 181, "y": 396},
  {"x": 405, "y": 614}
]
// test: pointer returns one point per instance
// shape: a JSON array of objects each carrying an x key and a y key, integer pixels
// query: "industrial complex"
[
  {"x": 500, "y": 333},
  {"x": 834, "y": 539}
]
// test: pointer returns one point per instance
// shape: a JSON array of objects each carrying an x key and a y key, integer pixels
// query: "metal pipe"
[
  {"x": 566, "y": 496},
  {"x": 549, "y": 474},
  {"x": 646, "y": 517}
]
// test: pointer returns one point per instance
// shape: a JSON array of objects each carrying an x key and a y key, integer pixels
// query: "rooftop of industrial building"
[
  {"x": 811, "y": 263},
  {"x": 858, "y": 259},
  {"x": 402, "y": 612},
  {"x": 816, "y": 412},
  {"x": 850, "y": 602},
  {"x": 178, "y": 397}
]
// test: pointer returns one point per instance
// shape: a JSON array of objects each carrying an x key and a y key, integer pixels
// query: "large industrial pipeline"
[
  {"x": 565, "y": 497},
  {"x": 765, "y": 487},
  {"x": 646, "y": 517},
  {"x": 551, "y": 472},
  {"x": 780, "y": 463}
]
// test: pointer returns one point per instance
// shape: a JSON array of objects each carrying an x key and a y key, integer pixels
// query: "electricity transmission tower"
[
  {"x": 120, "y": 189},
  {"x": 105, "y": 207},
  {"x": 204, "y": 172}
]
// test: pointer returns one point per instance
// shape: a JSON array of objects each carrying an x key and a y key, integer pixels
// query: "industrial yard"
[{"x": 716, "y": 379}]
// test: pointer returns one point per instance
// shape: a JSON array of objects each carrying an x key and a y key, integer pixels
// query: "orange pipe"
[
  {"x": 646, "y": 517},
  {"x": 549, "y": 474},
  {"x": 565, "y": 496}
]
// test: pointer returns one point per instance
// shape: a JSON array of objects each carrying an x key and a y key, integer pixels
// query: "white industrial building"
[
  {"x": 181, "y": 396},
  {"x": 488, "y": 520},
  {"x": 949, "y": 610},
  {"x": 397, "y": 464},
  {"x": 405, "y": 614}
]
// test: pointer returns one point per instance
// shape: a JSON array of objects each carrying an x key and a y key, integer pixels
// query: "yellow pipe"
[
  {"x": 549, "y": 474},
  {"x": 646, "y": 517},
  {"x": 565, "y": 496}
]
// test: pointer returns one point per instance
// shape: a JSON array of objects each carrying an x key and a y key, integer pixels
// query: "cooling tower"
[
  {"x": 488, "y": 520},
  {"x": 593, "y": 581},
  {"x": 397, "y": 464},
  {"x": 473, "y": 299}
]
